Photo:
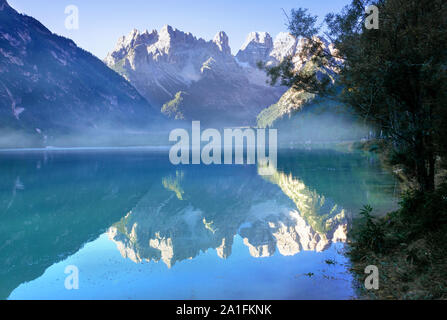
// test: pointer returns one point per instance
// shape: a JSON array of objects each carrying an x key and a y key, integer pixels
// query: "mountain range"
[
  {"x": 48, "y": 84},
  {"x": 194, "y": 79}
]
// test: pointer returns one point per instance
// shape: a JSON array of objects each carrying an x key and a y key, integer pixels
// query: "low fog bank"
[
  {"x": 11, "y": 139},
  {"x": 302, "y": 129},
  {"x": 18, "y": 139},
  {"x": 105, "y": 134},
  {"x": 310, "y": 129}
]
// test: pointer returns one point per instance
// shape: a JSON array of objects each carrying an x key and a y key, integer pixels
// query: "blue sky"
[{"x": 102, "y": 22}]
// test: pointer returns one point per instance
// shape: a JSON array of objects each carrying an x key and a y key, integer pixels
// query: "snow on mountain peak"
[
  {"x": 222, "y": 42},
  {"x": 129, "y": 42},
  {"x": 256, "y": 48},
  {"x": 162, "y": 64},
  {"x": 284, "y": 45},
  {"x": 258, "y": 38},
  {"x": 167, "y": 31}
]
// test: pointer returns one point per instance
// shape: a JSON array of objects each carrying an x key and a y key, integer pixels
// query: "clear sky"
[{"x": 102, "y": 22}]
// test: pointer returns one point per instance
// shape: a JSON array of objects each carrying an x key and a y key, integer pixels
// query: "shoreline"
[{"x": 408, "y": 245}]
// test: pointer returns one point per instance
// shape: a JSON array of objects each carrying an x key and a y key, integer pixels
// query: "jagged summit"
[
  {"x": 174, "y": 68},
  {"x": 262, "y": 38},
  {"x": 257, "y": 47},
  {"x": 284, "y": 45},
  {"x": 222, "y": 41},
  {"x": 135, "y": 38},
  {"x": 169, "y": 33}
]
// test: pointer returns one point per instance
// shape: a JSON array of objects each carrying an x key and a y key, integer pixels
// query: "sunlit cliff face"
[{"x": 183, "y": 217}]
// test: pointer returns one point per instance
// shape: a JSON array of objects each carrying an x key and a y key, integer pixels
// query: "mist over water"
[{"x": 307, "y": 129}]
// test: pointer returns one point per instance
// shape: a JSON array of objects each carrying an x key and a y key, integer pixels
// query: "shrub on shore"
[{"x": 409, "y": 246}]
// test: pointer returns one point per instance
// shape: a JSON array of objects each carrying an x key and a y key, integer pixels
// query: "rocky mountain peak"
[
  {"x": 258, "y": 38},
  {"x": 256, "y": 48},
  {"x": 284, "y": 45},
  {"x": 135, "y": 38},
  {"x": 221, "y": 40},
  {"x": 167, "y": 31},
  {"x": 170, "y": 33},
  {"x": 169, "y": 38},
  {"x": 172, "y": 61},
  {"x": 129, "y": 42},
  {"x": 131, "y": 39}
]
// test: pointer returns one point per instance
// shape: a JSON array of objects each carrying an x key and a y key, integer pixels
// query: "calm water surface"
[{"x": 137, "y": 227}]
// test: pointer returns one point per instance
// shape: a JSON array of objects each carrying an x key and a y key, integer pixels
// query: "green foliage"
[
  {"x": 390, "y": 76},
  {"x": 119, "y": 67},
  {"x": 275, "y": 112},
  {"x": 371, "y": 234},
  {"x": 302, "y": 24},
  {"x": 422, "y": 216},
  {"x": 268, "y": 116},
  {"x": 394, "y": 77},
  {"x": 312, "y": 78},
  {"x": 173, "y": 108},
  {"x": 413, "y": 255},
  {"x": 423, "y": 212}
]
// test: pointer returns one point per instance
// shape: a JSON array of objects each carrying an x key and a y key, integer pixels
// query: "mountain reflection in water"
[
  {"x": 53, "y": 203},
  {"x": 185, "y": 215}
]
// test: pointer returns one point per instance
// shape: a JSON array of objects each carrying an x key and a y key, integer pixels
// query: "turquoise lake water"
[{"x": 137, "y": 227}]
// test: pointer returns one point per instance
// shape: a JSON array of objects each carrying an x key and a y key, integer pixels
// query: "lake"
[{"x": 137, "y": 227}]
